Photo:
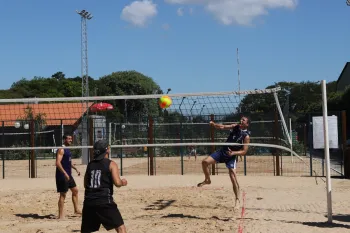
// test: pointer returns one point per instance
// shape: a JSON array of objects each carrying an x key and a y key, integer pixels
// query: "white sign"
[{"x": 318, "y": 132}]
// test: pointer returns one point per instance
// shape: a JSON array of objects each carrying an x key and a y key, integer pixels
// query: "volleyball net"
[{"x": 136, "y": 127}]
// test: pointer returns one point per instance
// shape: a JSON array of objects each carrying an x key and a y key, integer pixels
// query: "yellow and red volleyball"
[{"x": 165, "y": 101}]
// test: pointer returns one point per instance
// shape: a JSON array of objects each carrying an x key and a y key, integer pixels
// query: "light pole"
[
  {"x": 201, "y": 110},
  {"x": 85, "y": 15},
  {"x": 169, "y": 90},
  {"x": 194, "y": 102},
  {"x": 26, "y": 126}
]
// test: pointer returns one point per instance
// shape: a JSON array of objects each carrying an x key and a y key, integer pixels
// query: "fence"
[{"x": 262, "y": 161}]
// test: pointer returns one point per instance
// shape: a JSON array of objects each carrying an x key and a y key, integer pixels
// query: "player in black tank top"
[
  {"x": 99, "y": 207},
  {"x": 64, "y": 178},
  {"x": 228, "y": 154},
  {"x": 99, "y": 186}
]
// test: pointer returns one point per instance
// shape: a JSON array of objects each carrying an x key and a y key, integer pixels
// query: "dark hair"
[
  {"x": 66, "y": 135},
  {"x": 246, "y": 117}
]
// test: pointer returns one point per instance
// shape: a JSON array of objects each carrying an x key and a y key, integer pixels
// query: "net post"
[
  {"x": 181, "y": 148},
  {"x": 245, "y": 164},
  {"x": 326, "y": 150},
  {"x": 3, "y": 152},
  {"x": 32, "y": 154},
  {"x": 305, "y": 139},
  {"x": 291, "y": 132},
  {"x": 344, "y": 137},
  {"x": 154, "y": 151},
  {"x": 91, "y": 139},
  {"x": 110, "y": 139},
  {"x": 310, "y": 149},
  {"x": 282, "y": 118},
  {"x": 121, "y": 149},
  {"x": 150, "y": 141},
  {"x": 277, "y": 142},
  {"x": 212, "y": 137}
]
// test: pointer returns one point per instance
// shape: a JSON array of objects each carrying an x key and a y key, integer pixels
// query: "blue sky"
[{"x": 187, "y": 45}]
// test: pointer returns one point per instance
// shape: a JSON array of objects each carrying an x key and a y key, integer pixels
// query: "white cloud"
[
  {"x": 139, "y": 13},
  {"x": 180, "y": 11},
  {"x": 242, "y": 12}
]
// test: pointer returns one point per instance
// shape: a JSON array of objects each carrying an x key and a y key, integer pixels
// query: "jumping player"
[
  {"x": 64, "y": 178},
  {"x": 227, "y": 154},
  {"x": 99, "y": 207}
]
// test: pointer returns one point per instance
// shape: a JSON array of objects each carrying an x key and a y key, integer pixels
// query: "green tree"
[{"x": 130, "y": 83}]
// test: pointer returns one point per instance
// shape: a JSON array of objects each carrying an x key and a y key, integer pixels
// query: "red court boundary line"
[{"x": 241, "y": 225}]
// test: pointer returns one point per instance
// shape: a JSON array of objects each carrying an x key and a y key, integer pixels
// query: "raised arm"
[
  {"x": 221, "y": 126},
  {"x": 115, "y": 175}
]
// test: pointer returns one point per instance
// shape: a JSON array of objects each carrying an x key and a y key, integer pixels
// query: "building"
[
  {"x": 57, "y": 119},
  {"x": 344, "y": 78}
]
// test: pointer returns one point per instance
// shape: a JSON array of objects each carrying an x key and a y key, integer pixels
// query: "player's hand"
[
  {"x": 230, "y": 152},
  {"x": 211, "y": 123},
  {"x": 124, "y": 182},
  {"x": 66, "y": 176}
]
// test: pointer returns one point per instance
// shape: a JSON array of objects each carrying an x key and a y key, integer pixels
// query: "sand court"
[{"x": 173, "y": 203}]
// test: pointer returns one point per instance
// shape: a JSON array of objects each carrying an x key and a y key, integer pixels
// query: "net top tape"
[{"x": 92, "y": 98}]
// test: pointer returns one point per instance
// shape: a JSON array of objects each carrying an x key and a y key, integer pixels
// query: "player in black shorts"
[
  {"x": 64, "y": 178},
  {"x": 228, "y": 154},
  {"x": 99, "y": 207}
]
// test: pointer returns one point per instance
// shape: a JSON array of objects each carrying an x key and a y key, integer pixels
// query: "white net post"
[
  {"x": 282, "y": 118},
  {"x": 110, "y": 137},
  {"x": 326, "y": 150},
  {"x": 84, "y": 142},
  {"x": 291, "y": 133}
]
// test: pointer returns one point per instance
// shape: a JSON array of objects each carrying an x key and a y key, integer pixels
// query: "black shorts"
[
  {"x": 62, "y": 185},
  {"x": 106, "y": 214}
]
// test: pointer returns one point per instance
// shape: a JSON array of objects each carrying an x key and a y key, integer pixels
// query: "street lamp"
[
  {"x": 169, "y": 89},
  {"x": 18, "y": 124},
  {"x": 85, "y": 14}
]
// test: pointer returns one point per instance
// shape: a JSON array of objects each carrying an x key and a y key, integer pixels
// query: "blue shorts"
[{"x": 221, "y": 157}]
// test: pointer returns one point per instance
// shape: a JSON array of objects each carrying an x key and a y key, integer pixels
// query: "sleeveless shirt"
[
  {"x": 237, "y": 135},
  {"x": 99, "y": 183},
  {"x": 66, "y": 164}
]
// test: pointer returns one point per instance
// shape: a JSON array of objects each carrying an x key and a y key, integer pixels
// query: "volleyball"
[{"x": 165, "y": 101}]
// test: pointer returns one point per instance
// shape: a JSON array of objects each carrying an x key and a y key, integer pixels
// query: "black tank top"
[
  {"x": 99, "y": 183},
  {"x": 237, "y": 135}
]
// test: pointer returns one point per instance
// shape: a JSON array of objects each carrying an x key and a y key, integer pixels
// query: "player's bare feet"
[
  {"x": 206, "y": 182},
  {"x": 237, "y": 204}
]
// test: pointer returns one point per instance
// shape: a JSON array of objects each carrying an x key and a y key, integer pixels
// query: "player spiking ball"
[
  {"x": 165, "y": 101},
  {"x": 228, "y": 154}
]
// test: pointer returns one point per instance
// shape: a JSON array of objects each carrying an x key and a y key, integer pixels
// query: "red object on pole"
[{"x": 101, "y": 107}]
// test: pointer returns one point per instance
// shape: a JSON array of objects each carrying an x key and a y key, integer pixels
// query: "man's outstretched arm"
[{"x": 221, "y": 126}]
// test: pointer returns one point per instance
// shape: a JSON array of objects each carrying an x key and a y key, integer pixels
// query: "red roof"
[{"x": 69, "y": 113}]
